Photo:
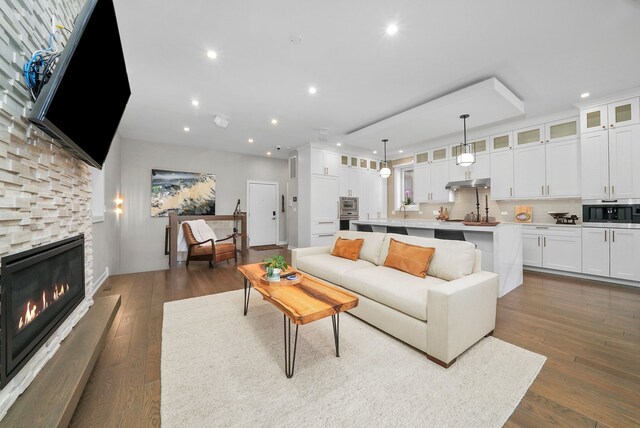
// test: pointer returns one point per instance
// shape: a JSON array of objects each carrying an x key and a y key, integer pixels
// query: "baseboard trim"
[
  {"x": 282, "y": 243},
  {"x": 608, "y": 280},
  {"x": 98, "y": 283}
]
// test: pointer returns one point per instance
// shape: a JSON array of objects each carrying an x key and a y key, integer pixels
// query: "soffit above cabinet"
[{"x": 487, "y": 102}]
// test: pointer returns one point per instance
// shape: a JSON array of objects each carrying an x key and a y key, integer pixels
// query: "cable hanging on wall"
[{"x": 39, "y": 68}]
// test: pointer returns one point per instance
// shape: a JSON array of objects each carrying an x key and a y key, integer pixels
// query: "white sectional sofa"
[{"x": 442, "y": 315}]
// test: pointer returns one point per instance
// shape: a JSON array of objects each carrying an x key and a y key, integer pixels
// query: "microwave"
[
  {"x": 348, "y": 207},
  {"x": 611, "y": 213}
]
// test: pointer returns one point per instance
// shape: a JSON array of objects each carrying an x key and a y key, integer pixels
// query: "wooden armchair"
[{"x": 208, "y": 250}]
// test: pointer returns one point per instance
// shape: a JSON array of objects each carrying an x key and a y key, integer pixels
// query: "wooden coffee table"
[{"x": 302, "y": 303}]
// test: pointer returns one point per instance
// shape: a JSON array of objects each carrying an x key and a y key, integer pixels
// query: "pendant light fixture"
[
  {"x": 385, "y": 172},
  {"x": 466, "y": 152}
]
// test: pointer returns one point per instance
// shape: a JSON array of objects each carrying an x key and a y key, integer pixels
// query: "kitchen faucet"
[{"x": 403, "y": 206}]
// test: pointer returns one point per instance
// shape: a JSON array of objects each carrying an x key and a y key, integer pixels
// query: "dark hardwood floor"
[{"x": 589, "y": 331}]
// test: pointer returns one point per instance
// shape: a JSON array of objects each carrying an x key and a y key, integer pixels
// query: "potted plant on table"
[{"x": 275, "y": 265}]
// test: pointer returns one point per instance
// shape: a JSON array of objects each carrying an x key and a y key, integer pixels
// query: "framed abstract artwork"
[{"x": 185, "y": 193}]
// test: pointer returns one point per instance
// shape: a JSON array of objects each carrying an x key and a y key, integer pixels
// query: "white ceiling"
[{"x": 547, "y": 52}]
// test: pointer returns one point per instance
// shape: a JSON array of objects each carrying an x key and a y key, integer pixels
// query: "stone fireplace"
[{"x": 40, "y": 288}]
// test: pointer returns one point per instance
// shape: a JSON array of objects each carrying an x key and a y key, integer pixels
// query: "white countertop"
[
  {"x": 545, "y": 224},
  {"x": 430, "y": 224}
]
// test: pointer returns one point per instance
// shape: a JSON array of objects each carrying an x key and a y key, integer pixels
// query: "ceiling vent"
[{"x": 222, "y": 122}]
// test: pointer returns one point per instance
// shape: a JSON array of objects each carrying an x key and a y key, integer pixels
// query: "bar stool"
[
  {"x": 453, "y": 235},
  {"x": 400, "y": 230},
  {"x": 364, "y": 228}
]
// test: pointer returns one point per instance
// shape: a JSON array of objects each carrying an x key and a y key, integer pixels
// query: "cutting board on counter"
[{"x": 523, "y": 214}]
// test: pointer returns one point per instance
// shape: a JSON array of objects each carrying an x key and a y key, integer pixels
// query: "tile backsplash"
[{"x": 465, "y": 202}]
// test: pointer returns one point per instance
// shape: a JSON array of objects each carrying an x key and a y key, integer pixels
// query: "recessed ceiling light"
[
  {"x": 186, "y": 129},
  {"x": 195, "y": 103},
  {"x": 274, "y": 121},
  {"x": 268, "y": 153},
  {"x": 375, "y": 152},
  {"x": 400, "y": 151},
  {"x": 250, "y": 140},
  {"x": 312, "y": 90},
  {"x": 212, "y": 54},
  {"x": 392, "y": 29},
  {"x": 584, "y": 94},
  {"x": 338, "y": 144}
]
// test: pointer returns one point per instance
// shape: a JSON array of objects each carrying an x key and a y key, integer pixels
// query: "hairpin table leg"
[
  {"x": 247, "y": 293},
  {"x": 289, "y": 362}
]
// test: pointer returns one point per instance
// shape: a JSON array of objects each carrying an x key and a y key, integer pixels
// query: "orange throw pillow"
[
  {"x": 347, "y": 248},
  {"x": 408, "y": 258}
]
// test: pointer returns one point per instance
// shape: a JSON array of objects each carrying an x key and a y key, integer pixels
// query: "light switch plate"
[
  {"x": 419, "y": 212},
  {"x": 504, "y": 213},
  {"x": 436, "y": 212}
]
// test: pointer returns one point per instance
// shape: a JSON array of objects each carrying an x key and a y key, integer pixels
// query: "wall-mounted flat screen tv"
[{"x": 82, "y": 103}]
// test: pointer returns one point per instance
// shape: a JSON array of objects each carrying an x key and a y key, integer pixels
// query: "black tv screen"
[{"x": 82, "y": 103}]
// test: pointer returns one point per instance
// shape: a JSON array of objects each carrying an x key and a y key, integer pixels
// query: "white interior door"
[{"x": 263, "y": 210}]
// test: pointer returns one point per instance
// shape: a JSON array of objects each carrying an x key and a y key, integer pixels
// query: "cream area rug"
[{"x": 220, "y": 368}]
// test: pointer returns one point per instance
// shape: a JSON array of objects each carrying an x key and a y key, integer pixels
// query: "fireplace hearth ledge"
[
  {"x": 17, "y": 386},
  {"x": 54, "y": 394}
]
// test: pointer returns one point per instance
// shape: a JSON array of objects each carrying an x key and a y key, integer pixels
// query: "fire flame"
[{"x": 32, "y": 311}]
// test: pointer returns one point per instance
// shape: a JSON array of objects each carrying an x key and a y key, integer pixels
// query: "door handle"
[
  {"x": 613, "y": 236},
  {"x": 547, "y": 190},
  {"x": 510, "y": 191},
  {"x": 325, "y": 234},
  {"x": 544, "y": 241},
  {"x": 538, "y": 241},
  {"x": 605, "y": 236},
  {"x": 613, "y": 190},
  {"x": 543, "y": 189},
  {"x": 325, "y": 222}
]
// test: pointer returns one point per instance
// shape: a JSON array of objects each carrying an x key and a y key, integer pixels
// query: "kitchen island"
[{"x": 501, "y": 245}]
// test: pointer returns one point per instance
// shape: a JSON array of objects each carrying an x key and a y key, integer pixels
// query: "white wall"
[
  {"x": 106, "y": 234},
  {"x": 141, "y": 236}
]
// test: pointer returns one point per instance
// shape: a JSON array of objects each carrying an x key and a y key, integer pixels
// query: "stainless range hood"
[{"x": 469, "y": 184}]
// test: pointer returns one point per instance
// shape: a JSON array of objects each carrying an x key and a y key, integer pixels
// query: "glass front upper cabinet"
[
  {"x": 501, "y": 142},
  {"x": 593, "y": 119},
  {"x": 529, "y": 136},
  {"x": 624, "y": 113},
  {"x": 562, "y": 130}
]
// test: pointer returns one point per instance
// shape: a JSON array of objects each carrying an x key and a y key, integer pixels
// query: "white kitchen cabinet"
[
  {"x": 376, "y": 197},
  {"x": 324, "y": 162},
  {"x": 529, "y": 171},
  {"x": 502, "y": 174},
  {"x": 562, "y": 130},
  {"x": 594, "y": 155},
  {"x": 624, "y": 113},
  {"x": 625, "y": 254},
  {"x": 611, "y": 252},
  {"x": 421, "y": 183},
  {"x": 324, "y": 198},
  {"x": 595, "y": 251},
  {"x": 610, "y": 160},
  {"x": 439, "y": 179},
  {"x": 363, "y": 195},
  {"x": 532, "y": 249},
  {"x": 562, "y": 168},
  {"x": 624, "y": 162},
  {"x": 562, "y": 251},
  {"x": 429, "y": 181},
  {"x": 558, "y": 248},
  {"x": 348, "y": 181}
]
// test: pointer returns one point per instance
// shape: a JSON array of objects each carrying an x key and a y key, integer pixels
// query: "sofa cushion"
[
  {"x": 452, "y": 259},
  {"x": 412, "y": 259},
  {"x": 347, "y": 248},
  {"x": 328, "y": 267},
  {"x": 398, "y": 290},
  {"x": 372, "y": 244}
]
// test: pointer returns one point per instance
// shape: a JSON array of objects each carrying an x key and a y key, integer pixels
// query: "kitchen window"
[{"x": 404, "y": 189}]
